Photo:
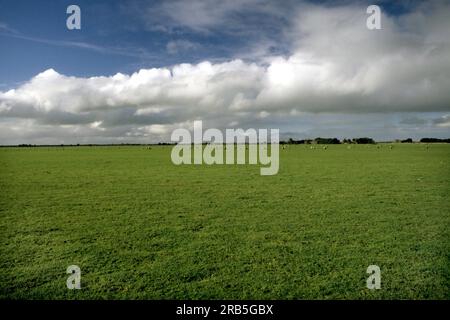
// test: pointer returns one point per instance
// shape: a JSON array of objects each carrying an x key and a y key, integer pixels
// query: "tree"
[
  {"x": 327, "y": 141},
  {"x": 364, "y": 140}
]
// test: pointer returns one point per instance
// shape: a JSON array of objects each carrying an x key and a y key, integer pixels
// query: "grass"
[{"x": 140, "y": 227}]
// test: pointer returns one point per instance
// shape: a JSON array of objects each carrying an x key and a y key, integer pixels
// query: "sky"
[{"x": 137, "y": 70}]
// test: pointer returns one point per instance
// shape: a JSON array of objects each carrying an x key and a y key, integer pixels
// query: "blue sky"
[
  {"x": 120, "y": 33},
  {"x": 40, "y": 40},
  {"x": 310, "y": 67}
]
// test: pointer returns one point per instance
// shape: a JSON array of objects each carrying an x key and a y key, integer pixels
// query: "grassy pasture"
[{"x": 141, "y": 228}]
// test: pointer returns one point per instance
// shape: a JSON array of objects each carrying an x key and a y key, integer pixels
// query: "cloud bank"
[{"x": 336, "y": 66}]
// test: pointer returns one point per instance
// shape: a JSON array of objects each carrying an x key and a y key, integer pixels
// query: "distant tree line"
[
  {"x": 319, "y": 140},
  {"x": 364, "y": 140},
  {"x": 327, "y": 141},
  {"x": 91, "y": 144},
  {"x": 434, "y": 140}
]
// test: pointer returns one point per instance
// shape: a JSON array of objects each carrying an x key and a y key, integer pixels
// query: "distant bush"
[
  {"x": 364, "y": 140},
  {"x": 327, "y": 141},
  {"x": 409, "y": 140},
  {"x": 434, "y": 140},
  {"x": 292, "y": 141}
]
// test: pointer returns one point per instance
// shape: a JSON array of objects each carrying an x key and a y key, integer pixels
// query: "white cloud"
[{"x": 337, "y": 66}]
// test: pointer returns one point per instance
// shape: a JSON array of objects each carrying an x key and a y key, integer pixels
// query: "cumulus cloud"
[{"x": 336, "y": 66}]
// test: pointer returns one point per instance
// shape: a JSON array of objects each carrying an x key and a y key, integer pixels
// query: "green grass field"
[{"x": 140, "y": 227}]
